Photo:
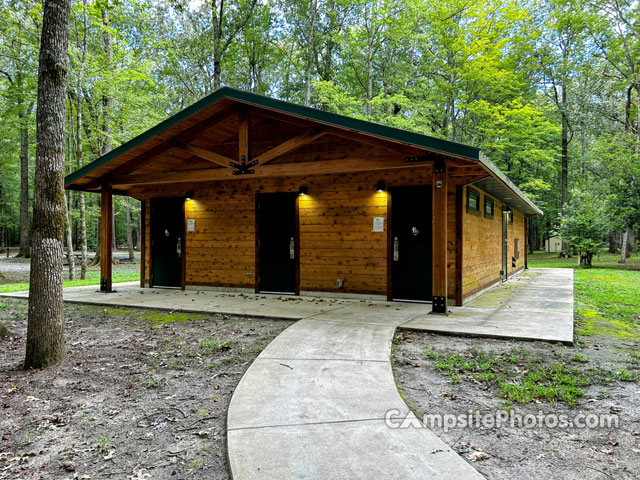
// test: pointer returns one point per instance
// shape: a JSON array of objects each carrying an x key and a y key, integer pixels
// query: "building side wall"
[
  {"x": 336, "y": 237},
  {"x": 482, "y": 245}
]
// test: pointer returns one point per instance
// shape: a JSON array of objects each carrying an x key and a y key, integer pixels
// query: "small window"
[
  {"x": 488, "y": 207},
  {"x": 517, "y": 248},
  {"x": 473, "y": 201}
]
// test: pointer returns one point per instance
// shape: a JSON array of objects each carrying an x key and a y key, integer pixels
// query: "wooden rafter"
[
  {"x": 289, "y": 145},
  {"x": 205, "y": 154},
  {"x": 183, "y": 138}
]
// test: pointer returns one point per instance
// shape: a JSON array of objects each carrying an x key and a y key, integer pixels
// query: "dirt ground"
[
  {"x": 540, "y": 452},
  {"x": 140, "y": 395},
  {"x": 14, "y": 270}
]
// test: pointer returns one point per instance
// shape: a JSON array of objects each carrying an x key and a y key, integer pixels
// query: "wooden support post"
[
  {"x": 106, "y": 236},
  {"x": 439, "y": 213}
]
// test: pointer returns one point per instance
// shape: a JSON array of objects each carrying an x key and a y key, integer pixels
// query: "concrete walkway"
[
  {"x": 537, "y": 305},
  {"x": 313, "y": 406}
]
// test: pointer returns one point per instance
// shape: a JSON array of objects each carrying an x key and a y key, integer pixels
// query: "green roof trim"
[{"x": 328, "y": 118}]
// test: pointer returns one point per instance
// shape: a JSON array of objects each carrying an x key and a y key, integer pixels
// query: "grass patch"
[
  {"x": 540, "y": 259},
  {"x": 118, "y": 311},
  {"x": 213, "y": 345},
  {"x": 607, "y": 296},
  {"x": 156, "y": 318},
  {"x": 521, "y": 376},
  {"x": 93, "y": 278}
]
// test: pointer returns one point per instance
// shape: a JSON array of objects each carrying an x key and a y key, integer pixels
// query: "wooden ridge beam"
[{"x": 285, "y": 169}]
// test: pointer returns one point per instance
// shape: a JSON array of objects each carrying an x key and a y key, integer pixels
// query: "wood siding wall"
[
  {"x": 482, "y": 245},
  {"x": 336, "y": 237}
]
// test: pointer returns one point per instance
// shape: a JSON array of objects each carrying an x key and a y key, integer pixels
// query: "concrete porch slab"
[{"x": 537, "y": 305}]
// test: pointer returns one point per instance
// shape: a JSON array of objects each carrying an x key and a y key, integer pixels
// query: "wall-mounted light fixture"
[
  {"x": 380, "y": 186},
  {"x": 188, "y": 195},
  {"x": 302, "y": 190}
]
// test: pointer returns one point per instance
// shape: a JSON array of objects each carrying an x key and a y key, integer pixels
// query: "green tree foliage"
[
  {"x": 549, "y": 89},
  {"x": 584, "y": 225}
]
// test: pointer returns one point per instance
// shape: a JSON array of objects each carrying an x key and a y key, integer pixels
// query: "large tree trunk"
[{"x": 45, "y": 328}]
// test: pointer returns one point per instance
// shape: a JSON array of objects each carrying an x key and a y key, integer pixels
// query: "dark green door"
[
  {"x": 505, "y": 244},
  {"x": 276, "y": 242},
  {"x": 411, "y": 248},
  {"x": 166, "y": 241}
]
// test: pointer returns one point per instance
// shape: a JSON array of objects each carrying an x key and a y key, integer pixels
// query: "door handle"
[
  {"x": 396, "y": 249},
  {"x": 292, "y": 248},
  {"x": 179, "y": 247}
]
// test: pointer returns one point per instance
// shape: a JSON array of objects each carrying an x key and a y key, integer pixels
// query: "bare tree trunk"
[
  {"x": 79, "y": 152},
  {"x": 127, "y": 211},
  {"x": 564, "y": 160},
  {"x": 70, "y": 256},
  {"x": 45, "y": 328},
  {"x": 613, "y": 244},
  {"x": 25, "y": 250},
  {"x": 96, "y": 257},
  {"x": 311, "y": 40},
  {"x": 83, "y": 238},
  {"x": 369, "y": 76},
  {"x": 216, "y": 19},
  {"x": 107, "y": 104},
  {"x": 624, "y": 254},
  {"x": 107, "y": 99}
]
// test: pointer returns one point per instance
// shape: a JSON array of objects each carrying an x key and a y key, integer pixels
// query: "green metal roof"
[{"x": 327, "y": 118}]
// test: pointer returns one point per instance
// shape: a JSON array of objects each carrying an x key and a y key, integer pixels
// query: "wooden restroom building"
[{"x": 243, "y": 192}]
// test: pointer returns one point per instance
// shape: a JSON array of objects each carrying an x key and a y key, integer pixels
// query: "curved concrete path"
[{"x": 313, "y": 404}]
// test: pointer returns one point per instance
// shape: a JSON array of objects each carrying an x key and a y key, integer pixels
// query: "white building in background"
[{"x": 553, "y": 244}]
